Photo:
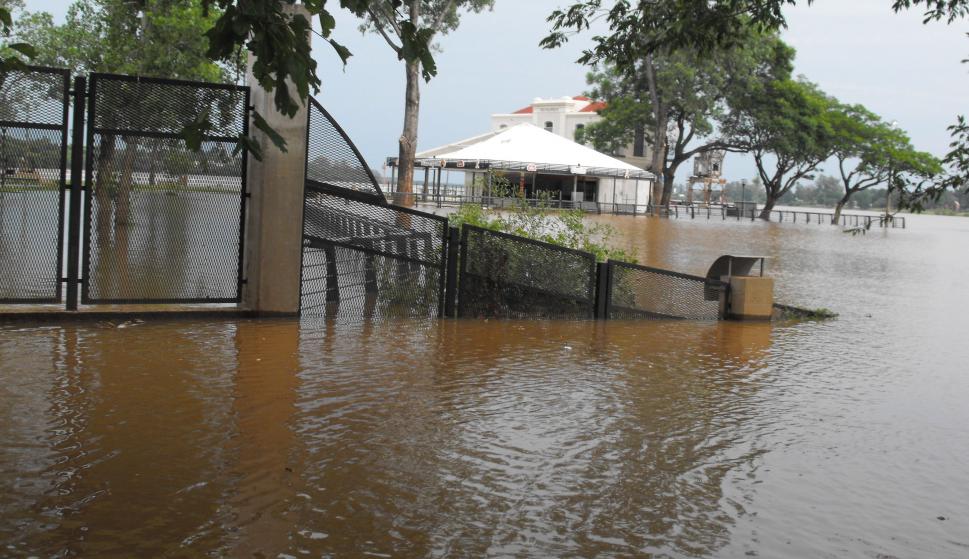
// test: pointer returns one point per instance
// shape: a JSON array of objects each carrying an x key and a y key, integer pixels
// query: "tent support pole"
[{"x": 636, "y": 199}]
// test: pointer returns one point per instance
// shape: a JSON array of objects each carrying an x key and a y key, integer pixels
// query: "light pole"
[
  {"x": 891, "y": 180},
  {"x": 743, "y": 198}
]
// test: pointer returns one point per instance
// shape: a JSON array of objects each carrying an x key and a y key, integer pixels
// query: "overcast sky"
[{"x": 856, "y": 50}]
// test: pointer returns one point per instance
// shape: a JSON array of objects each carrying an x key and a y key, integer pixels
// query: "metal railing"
[{"x": 784, "y": 216}]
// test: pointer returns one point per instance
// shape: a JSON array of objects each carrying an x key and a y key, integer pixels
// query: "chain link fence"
[
  {"x": 367, "y": 261},
  {"x": 507, "y": 276},
  {"x": 163, "y": 223},
  {"x": 33, "y": 168},
  {"x": 641, "y": 292}
]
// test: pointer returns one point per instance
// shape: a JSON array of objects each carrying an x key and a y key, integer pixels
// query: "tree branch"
[
  {"x": 380, "y": 29},
  {"x": 440, "y": 17}
]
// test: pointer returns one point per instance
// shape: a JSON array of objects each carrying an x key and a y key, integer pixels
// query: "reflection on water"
[{"x": 475, "y": 438}]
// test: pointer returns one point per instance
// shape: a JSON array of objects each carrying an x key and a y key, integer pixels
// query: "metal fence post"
[
  {"x": 451, "y": 271},
  {"x": 77, "y": 185},
  {"x": 602, "y": 290}
]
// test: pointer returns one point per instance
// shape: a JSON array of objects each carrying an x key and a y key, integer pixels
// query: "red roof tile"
[
  {"x": 593, "y": 107},
  {"x": 526, "y": 111}
]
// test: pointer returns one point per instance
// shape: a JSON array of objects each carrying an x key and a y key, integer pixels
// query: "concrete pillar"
[{"x": 274, "y": 234}]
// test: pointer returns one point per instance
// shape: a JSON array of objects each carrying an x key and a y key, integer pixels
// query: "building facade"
[{"x": 565, "y": 116}]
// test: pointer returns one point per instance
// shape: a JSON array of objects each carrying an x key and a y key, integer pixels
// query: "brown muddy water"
[{"x": 522, "y": 439}]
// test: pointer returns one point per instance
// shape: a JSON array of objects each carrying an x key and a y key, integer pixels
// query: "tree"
[
  {"x": 872, "y": 152},
  {"x": 419, "y": 22},
  {"x": 646, "y": 26},
  {"x": 146, "y": 38},
  {"x": 786, "y": 126},
  {"x": 683, "y": 97},
  {"x": 642, "y": 27},
  {"x": 260, "y": 27},
  {"x": 12, "y": 52}
]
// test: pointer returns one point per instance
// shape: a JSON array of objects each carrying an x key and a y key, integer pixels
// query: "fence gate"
[
  {"x": 33, "y": 171},
  {"x": 507, "y": 276},
  {"x": 163, "y": 223},
  {"x": 362, "y": 258}
]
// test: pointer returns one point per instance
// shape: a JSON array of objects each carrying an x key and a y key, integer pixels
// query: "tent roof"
[
  {"x": 527, "y": 143},
  {"x": 436, "y": 152}
]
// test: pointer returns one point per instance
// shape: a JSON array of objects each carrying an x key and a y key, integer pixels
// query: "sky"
[{"x": 857, "y": 50}]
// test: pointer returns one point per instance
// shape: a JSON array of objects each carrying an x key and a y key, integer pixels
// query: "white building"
[
  {"x": 564, "y": 116},
  {"x": 536, "y": 162}
]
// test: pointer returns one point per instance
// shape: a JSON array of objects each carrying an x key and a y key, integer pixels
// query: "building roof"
[
  {"x": 528, "y": 144},
  {"x": 584, "y": 105}
]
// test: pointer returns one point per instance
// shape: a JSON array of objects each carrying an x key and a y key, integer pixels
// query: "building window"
[
  {"x": 548, "y": 125},
  {"x": 578, "y": 127},
  {"x": 502, "y": 126}
]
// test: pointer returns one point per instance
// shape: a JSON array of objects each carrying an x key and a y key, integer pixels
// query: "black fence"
[
  {"x": 635, "y": 291},
  {"x": 162, "y": 222},
  {"x": 368, "y": 261},
  {"x": 33, "y": 165},
  {"x": 508, "y": 276}
]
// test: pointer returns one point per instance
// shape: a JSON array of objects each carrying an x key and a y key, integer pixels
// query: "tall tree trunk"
[
  {"x": 838, "y": 207},
  {"x": 658, "y": 163},
  {"x": 408, "y": 139},
  {"x": 661, "y": 120},
  {"x": 669, "y": 174},
  {"x": 772, "y": 198},
  {"x": 103, "y": 185},
  {"x": 412, "y": 107},
  {"x": 122, "y": 215}
]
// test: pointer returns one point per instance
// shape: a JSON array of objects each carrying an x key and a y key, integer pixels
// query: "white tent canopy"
[{"x": 528, "y": 144}]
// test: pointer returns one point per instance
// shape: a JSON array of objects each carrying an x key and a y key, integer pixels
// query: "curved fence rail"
[{"x": 333, "y": 160}]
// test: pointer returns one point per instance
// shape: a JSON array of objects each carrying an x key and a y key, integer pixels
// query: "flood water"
[{"x": 524, "y": 439}]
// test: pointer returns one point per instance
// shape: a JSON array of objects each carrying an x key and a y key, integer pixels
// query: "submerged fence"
[
  {"x": 642, "y": 292},
  {"x": 367, "y": 260},
  {"x": 513, "y": 277},
  {"x": 162, "y": 222},
  {"x": 142, "y": 218},
  {"x": 362, "y": 260}
]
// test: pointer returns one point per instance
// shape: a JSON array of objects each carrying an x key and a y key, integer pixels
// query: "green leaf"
[
  {"x": 244, "y": 142},
  {"x": 327, "y": 23},
  {"x": 11, "y": 63},
  {"x": 341, "y": 51},
  {"x": 5, "y": 19},
  {"x": 269, "y": 131},
  {"x": 25, "y": 49},
  {"x": 195, "y": 131}
]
